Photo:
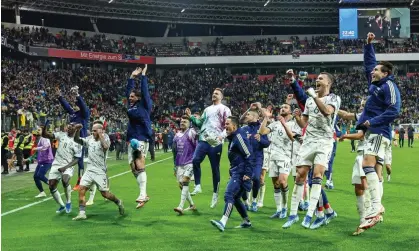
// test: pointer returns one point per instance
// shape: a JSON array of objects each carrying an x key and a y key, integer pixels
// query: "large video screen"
[{"x": 383, "y": 22}]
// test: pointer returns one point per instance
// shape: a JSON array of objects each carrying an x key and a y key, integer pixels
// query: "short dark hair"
[
  {"x": 185, "y": 117},
  {"x": 136, "y": 93},
  {"x": 330, "y": 76},
  {"x": 386, "y": 67},
  {"x": 234, "y": 120}
]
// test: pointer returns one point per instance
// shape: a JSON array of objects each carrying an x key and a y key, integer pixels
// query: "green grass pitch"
[{"x": 157, "y": 227}]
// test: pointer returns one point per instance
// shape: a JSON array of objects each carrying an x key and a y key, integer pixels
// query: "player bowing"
[
  {"x": 282, "y": 135},
  {"x": 67, "y": 155},
  {"x": 184, "y": 145},
  {"x": 98, "y": 145},
  {"x": 319, "y": 115}
]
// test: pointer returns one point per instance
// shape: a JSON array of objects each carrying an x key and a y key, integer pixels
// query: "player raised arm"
[
  {"x": 299, "y": 93},
  {"x": 301, "y": 120},
  {"x": 64, "y": 102},
  {"x": 45, "y": 133},
  {"x": 80, "y": 103},
  {"x": 369, "y": 57},
  {"x": 77, "y": 138},
  {"x": 104, "y": 141},
  {"x": 196, "y": 121},
  {"x": 290, "y": 134},
  {"x": 254, "y": 106},
  {"x": 145, "y": 101},
  {"x": 131, "y": 82},
  {"x": 263, "y": 127}
]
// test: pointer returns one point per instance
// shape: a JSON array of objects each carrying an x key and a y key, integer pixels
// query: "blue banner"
[{"x": 348, "y": 24}]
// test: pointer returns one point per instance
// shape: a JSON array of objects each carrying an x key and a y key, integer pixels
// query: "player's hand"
[
  {"x": 291, "y": 75},
  {"x": 297, "y": 112},
  {"x": 145, "y": 70},
  {"x": 61, "y": 170},
  {"x": 135, "y": 73},
  {"x": 341, "y": 139},
  {"x": 302, "y": 75},
  {"x": 78, "y": 126},
  {"x": 366, "y": 124},
  {"x": 290, "y": 97},
  {"x": 311, "y": 92},
  {"x": 282, "y": 120},
  {"x": 75, "y": 90},
  {"x": 256, "y": 105},
  {"x": 188, "y": 112},
  {"x": 58, "y": 91},
  {"x": 370, "y": 37},
  {"x": 266, "y": 113},
  {"x": 257, "y": 137},
  {"x": 246, "y": 178}
]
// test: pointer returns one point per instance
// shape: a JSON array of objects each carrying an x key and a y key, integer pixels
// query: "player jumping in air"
[
  {"x": 67, "y": 155},
  {"x": 139, "y": 130},
  {"x": 211, "y": 136},
  {"x": 183, "y": 148},
  {"x": 98, "y": 145},
  {"x": 319, "y": 116},
  {"x": 239, "y": 152},
  {"x": 381, "y": 109}
]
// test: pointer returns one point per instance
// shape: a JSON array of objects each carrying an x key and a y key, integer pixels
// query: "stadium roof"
[{"x": 279, "y": 13}]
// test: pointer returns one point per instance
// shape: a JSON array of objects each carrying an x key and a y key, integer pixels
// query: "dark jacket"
[
  {"x": 139, "y": 125},
  {"x": 257, "y": 147}
]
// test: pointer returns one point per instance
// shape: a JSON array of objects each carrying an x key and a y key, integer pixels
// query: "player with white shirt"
[
  {"x": 211, "y": 137},
  {"x": 265, "y": 165},
  {"x": 319, "y": 116},
  {"x": 98, "y": 145},
  {"x": 359, "y": 179},
  {"x": 282, "y": 136},
  {"x": 67, "y": 155}
]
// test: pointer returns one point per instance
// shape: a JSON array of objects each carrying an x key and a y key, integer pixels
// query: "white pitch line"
[{"x": 49, "y": 198}]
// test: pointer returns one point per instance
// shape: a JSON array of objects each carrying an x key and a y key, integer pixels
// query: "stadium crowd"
[
  {"x": 29, "y": 94},
  {"x": 270, "y": 46}
]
